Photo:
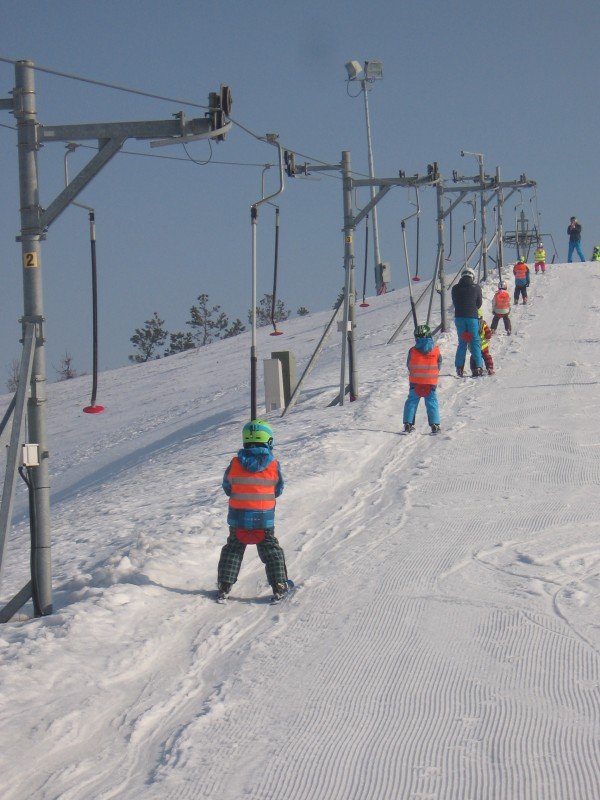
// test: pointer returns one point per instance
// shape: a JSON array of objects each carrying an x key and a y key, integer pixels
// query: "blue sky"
[{"x": 515, "y": 81}]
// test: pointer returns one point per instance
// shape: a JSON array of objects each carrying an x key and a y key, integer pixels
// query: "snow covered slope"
[{"x": 444, "y": 639}]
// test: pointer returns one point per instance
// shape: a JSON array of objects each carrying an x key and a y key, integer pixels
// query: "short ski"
[{"x": 222, "y": 599}]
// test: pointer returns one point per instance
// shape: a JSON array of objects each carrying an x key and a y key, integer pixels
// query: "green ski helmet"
[
  {"x": 422, "y": 331},
  {"x": 257, "y": 431}
]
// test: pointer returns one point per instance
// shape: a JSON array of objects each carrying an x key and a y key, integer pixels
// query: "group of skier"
[
  {"x": 424, "y": 359},
  {"x": 253, "y": 479}
]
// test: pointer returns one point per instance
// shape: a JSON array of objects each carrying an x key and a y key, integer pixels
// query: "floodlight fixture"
[
  {"x": 373, "y": 70},
  {"x": 354, "y": 70},
  {"x": 478, "y": 156}
]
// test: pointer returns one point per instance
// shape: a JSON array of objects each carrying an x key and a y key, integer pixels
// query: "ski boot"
[
  {"x": 460, "y": 371},
  {"x": 435, "y": 428},
  {"x": 279, "y": 591},
  {"x": 223, "y": 591},
  {"x": 478, "y": 372},
  {"x": 408, "y": 427},
  {"x": 490, "y": 371}
]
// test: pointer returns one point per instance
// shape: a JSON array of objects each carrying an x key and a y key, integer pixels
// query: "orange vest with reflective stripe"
[
  {"x": 254, "y": 491},
  {"x": 423, "y": 367},
  {"x": 520, "y": 270},
  {"x": 501, "y": 302}
]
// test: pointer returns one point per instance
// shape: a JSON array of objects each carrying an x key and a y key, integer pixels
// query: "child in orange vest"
[
  {"x": 424, "y": 361},
  {"x": 485, "y": 334},
  {"x": 501, "y": 308},
  {"x": 521, "y": 273},
  {"x": 252, "y": 481}
]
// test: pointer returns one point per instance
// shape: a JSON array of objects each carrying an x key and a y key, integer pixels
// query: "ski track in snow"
[{"x": 443, "y": 640}]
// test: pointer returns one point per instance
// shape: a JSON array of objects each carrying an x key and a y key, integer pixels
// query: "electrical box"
[
  {"x": 288, "y": 371},
  {"x": 386, "y": 272},
  {"x": 340, "y": 326},
  {"x": 274, "y": 396},
  {"x": 30, "y": 455}
]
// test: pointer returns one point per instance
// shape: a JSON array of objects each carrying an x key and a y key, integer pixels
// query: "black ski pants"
[{"x": 269, "y": 552}]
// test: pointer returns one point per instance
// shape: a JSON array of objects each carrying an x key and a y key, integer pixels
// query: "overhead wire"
[
  {"x": 166, "y": 98},
  {"x": 106, "y": 85}
]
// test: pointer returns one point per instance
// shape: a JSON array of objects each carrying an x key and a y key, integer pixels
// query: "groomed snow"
[{"x": 444, "y": 639}]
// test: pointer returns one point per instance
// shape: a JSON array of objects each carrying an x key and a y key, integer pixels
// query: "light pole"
[{"x": 373, "y": 71}]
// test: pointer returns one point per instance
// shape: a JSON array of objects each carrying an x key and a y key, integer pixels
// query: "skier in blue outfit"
[
  {"x": 423, "y": 361},
  {"x": 467, "y": 299},
  {"x": 574, "y": 231}
]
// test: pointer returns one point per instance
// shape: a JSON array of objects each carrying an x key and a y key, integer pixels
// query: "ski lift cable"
[
  {"x": 93, "y": 408},
  {"x": 417, "y": 277},
  {"x": 275, "y": 332},
  {"x": 364, "y": 303},
  {"x": 412, "y": 301}
]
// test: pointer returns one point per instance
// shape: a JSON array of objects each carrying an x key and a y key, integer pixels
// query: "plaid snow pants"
[{"x": 269, "y": 552}]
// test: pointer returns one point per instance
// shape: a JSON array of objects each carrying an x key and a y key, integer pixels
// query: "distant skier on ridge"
[{"x": 574, "y": 232}]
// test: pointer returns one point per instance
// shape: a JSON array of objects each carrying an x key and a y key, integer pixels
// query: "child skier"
[
  {"x": 485, "y": 334},
  {"x": 540, "y": 258},
  {"x": 596, "y": 253},
  {"x": 424, "y": 361},
  {"x": 521, "y": 273},
  {"x": 252, "y": 481},
  {"x": 501, "y": 308}
]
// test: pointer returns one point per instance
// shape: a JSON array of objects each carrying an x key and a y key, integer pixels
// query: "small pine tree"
[
  {"x": 302, "y": 311},
  {"x": 208, "y": 323},
  {"x": 148, "y": 339},
  {"x": 12, "y": 383},
  {"x": 264, "y": 308},
  {"x": 234, "y": 329},
  {"x": 65, "y": 370},
  {"x": 180, "y": 342}
]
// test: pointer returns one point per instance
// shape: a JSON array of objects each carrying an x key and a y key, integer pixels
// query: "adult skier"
[
  {"x": 252, "y": 481},
  {"x": 574, "y": 231},
  {"x": 424, "y": 361},
  {"x": 467, "y": 299}
]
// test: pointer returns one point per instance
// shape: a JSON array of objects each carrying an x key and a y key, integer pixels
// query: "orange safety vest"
[
  {"x": 501, "y": 302},
  {"x": 520, "y": 270},
  {"x": 423, "y": 367},
  {"x": 254, "y": 491}
]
